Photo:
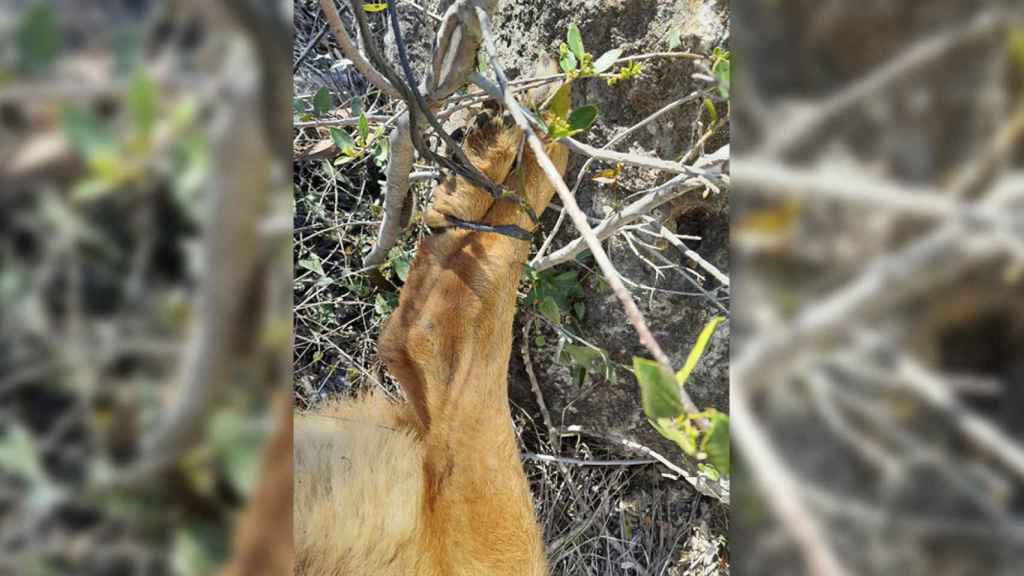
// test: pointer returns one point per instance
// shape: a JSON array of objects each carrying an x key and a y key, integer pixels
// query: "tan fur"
[{"x": 434, "y": 486}]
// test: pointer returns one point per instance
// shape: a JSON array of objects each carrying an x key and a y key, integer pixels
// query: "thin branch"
[
  {"x": 397, "y": 189},
  {"x": 651, "y": 199},
  {"x": 801, "y": 130},
  {"x": 352, "y": 52},
  {"x": 632, "y": 159},
  {"x": 339, "y": 122},
  {"x": 771, "y": 178},
  {"x": 719, "y": 490},
  {"x": 553, "y": 438},
  {"x": 432, "y": 16},
  {"x": 979, "y": 430},
  {"x": 780, "y": 487},
  {"x": 581, "y": 462},
  {"x": 704, "y": 291},
  {"x": 579, "y": 219},
  {"x": 583, "y": 170},
  {"x": 697, "y": 258},
  {"x": 461, "y": 166}
]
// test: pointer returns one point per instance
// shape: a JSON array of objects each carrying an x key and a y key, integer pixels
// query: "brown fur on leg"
[{"x": 434, "y": 487}]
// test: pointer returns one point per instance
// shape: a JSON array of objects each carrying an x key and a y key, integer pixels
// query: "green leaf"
[
  {"x": 566, "y": 280},
  {"x": 382, "y": 306},
  {"x": 298, "y": 106},
  {"x": 607, "y": 60},
  {"x": 712, "y": 111},
  {"x": 342, "y": 140},
  {"x": 698, "y": 350},
  {"x": 357, "y": 106},
  {"x": 675, "y": 39},
  {"x": 364, "y": 128},
  {"x": 659, "y": 394},
  {"x": 312, "y": 264},
  {"x": 716, "y": 443},
  {"x": 198, "y": 549},
  {"x": 561, "y": 102},
  {"x": 322, "y": 102},
  {"x": 142, "y": 102},
  {"x": 575, "y": 41},
  {"x": 684, "y": 436},
  {"x": 709, "y": 471},
  {"x": 37, "y": 38},
  {"x": 85, "y": 132},
  {"x": 401, "y": 267},
  {"x": 722, "y": 73},
  {"x": 539, "y": 340},
  {"x": 549, "y": 309},
  {"x": 582, "y": 118},
  {"x": 483, "y": 62},
  {"x": 568, "y": 62},
  {"x": 580, "y": 309},
  {"x": 380, "y": 155},
  {"x": 584, "y": 356},
  {"x": 18, "y": 454},
  {"x": 373, "y": 7}
]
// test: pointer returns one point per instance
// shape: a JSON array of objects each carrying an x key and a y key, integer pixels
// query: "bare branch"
[
  {"x": 651, "y": 199},
  {"x": 579, "y": 219},
  {"x": 352, "y": 52},
  {"x": 781, "y": 489},
  {"x": 700, "y": 261},
  {"x": 399, "y": 167},
  {"x": 925, "y": 52},
  {"x": 719, "y": 490},
  {"x": 583, "y": 170}
]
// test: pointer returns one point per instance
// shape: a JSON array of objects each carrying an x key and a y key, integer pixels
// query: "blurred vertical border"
[
  {"x": 145, "y": 280},
  {"x": 878, "y": 245}
]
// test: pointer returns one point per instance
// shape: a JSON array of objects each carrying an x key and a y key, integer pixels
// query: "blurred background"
[
  {"x": 145, "y": 278},
  {"x": 877, "y": 378}
]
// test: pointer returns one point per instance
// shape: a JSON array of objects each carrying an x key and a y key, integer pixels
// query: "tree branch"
[
  {"x": 352, "y": 52},
  {"x": 579, "y": 219}
]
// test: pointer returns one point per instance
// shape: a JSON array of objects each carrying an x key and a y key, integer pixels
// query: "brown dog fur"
[{"x": 435, "y": 486}]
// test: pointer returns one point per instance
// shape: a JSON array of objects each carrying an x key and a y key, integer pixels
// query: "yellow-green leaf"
[
  {"x": 342, "y": 140},
  {"x": 561, "y": 102},
  {"x": 364, "y": 128},
  {"x": 698, "y": 350},
  {"x": 609, "y": 175},
  {"x": 676, "y": 431},
  {"x": 373, "y": 7},
  {"x": 712, "y": 111},
  {"x": 575, "y": 41},
  {"x": 567, "y": 62},
  {"x": 1016, "y": 41},
  {"x": 143, "y": 101},
  {"x": 716, "y": 443},
  {"x": 659, "y": 395}
]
